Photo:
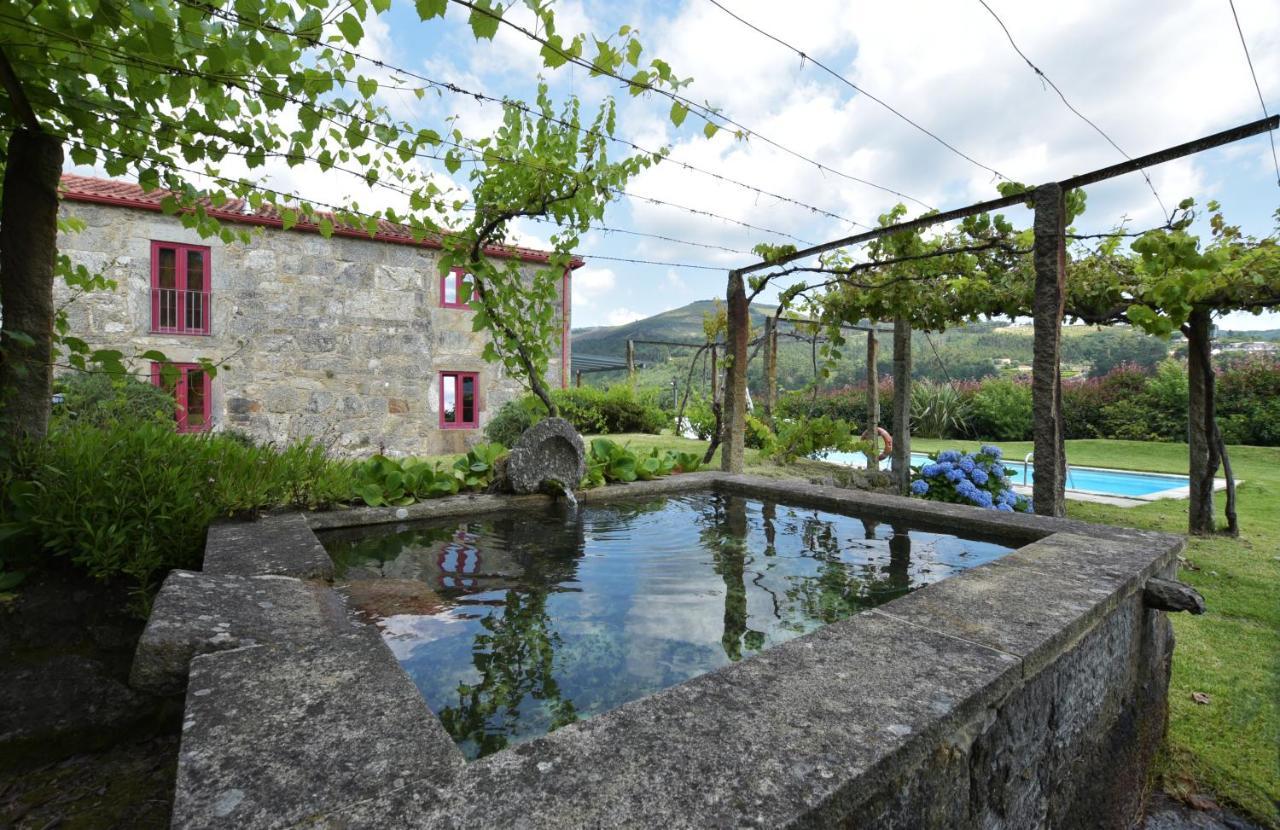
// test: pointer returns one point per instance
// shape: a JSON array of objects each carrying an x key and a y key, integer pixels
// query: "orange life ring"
[{"x": 888, "y": 442}]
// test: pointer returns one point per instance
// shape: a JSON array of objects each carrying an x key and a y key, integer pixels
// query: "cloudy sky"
[{"x": 1149, "y": 74}]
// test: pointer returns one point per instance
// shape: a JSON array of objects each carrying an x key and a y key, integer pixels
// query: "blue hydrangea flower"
[
  {"x": 929, "y": 470},
  {"x": 983, "y": 498},
  {"x": 919, "y": 487},
  {"x": 994, "y": 452},
  {"x": 955, "y": 474},
  {"x": 949, "y": 455},
  {"x": 966, "y": 464},
  {"x": 979, "y": 477},
  {"x": 966, "y": 488},
  {"x": 1007, "y": 497},
  {"x": 1004, "y": 507}
]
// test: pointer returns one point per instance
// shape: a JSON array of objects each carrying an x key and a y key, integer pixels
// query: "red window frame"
[
  {"x": 180, "y": 309},
  {"x": 457, "y": 277},
  {"x": 182, "y": 389},
  {"x": 454, "y": 384}
]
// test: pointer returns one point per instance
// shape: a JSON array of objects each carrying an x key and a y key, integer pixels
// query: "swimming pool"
[{"x": 1090, "y": 480}]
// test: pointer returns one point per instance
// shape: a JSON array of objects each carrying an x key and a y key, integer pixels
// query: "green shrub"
[
  {"x": 938, "y": 410},
  {"x": 609, "y": 461},
  {"x": 512, "y": 419},
  {"x": 592, "y": 411},
  {"x": 99, "y": 399},
  {"x": 1001, "y": 411},
  {"x": 699, "y": 417},
  {"x": 133, "y": 500}
]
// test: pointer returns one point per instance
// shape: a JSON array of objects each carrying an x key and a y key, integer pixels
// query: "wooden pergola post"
[
  {"x": 873, "y": 396},
  {"x": 631, "y": 362},
  {"x": 735, "y": 387},
  {"x": 579, "y": 378},
  {"x": 901, "y": 459},
  {"x": 770, "y": 368},
  {"x": 1048, "y": 490}
]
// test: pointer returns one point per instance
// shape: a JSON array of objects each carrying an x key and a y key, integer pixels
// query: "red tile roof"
[{"x": 127, "y": 194}]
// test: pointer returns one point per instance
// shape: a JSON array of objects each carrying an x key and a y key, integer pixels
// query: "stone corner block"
[
  {"x": 282, "y": 545},
  {"x": 196, "y": 613},
  {"x": 278, "y": 735}
]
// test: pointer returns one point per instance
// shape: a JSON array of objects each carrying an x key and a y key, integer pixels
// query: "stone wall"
[{"x": 340, "y": 339}]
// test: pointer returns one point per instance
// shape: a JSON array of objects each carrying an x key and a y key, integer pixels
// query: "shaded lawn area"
[{"x": 1230, "y": 746}]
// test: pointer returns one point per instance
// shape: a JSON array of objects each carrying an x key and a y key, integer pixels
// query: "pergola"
[{"x": 1049, "y": 256}]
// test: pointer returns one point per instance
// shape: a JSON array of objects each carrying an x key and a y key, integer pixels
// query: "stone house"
[{"x": 356, "y": 341}]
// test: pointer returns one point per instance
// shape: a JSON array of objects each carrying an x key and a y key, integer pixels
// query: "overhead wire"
[
  {"x": 1044, "y": 77},
  {"x": 468, "y": 208},
  {"x": 337, "y": 210},
  {"x": 703, "y": 111},
  {"x": 858, "y": 89},
  {"x": 1271, "y": 134},
  {"x": 330, "y": 112},
  {"x": 485, "y": 98}
]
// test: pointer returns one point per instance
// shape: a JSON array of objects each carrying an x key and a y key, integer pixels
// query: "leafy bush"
[
  {"x": 592, "y": 411},
  {"x": 803, "y": 438},
  {"x": 512, "y": 419},
  {"x": 387, "y": 481},
  {"x": 133, "y": 500},
  {"x": 609, "y": 461},
  {"x": 938, "y": 410},
  {"x": 1248, "y": 401},
  {"x": 699, "y": 417},
  {"x": 100, "y": 399},
  {"x": 1001, "y": 411},
  {"x": 977, "y": 479}
]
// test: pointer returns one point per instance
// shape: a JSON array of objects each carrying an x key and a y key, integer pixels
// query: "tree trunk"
[
  {"x": 902, "y": 404},
  {"x": 735, "y": 376},
  {"x": 28, "y": 251},
  {"x": 1048, "y": 494},
  {"x": 873, "y": 398},
  {"x": 770, "y": 368},
  {"x": 1202, "y": 448}
]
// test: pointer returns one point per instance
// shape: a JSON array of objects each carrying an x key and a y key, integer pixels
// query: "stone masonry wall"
[{"x": 339, "y": 339}]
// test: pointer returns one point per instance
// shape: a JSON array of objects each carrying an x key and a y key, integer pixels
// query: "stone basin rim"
[{"x": 601, "y": 769}]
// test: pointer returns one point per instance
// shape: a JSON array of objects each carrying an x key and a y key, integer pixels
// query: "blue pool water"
[{"x": 1080, "y": 479}]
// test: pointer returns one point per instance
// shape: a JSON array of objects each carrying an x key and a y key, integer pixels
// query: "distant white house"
[{"x": 1249, "y": 347}]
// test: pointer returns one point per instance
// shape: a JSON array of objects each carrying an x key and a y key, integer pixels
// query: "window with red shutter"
[
  {"x": 459, "y": 400},
  {"x": 180, "y": 296},
  {"x": 191, "y": 389}
]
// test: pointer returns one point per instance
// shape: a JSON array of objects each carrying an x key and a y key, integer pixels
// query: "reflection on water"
[{"x": 517, "y": 624}]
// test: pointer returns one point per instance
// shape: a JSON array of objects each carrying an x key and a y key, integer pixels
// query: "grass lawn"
[{"x": 1230, "y": 746}]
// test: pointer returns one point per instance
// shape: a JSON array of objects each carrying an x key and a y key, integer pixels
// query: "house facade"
[{"x": 357, "y": 342}]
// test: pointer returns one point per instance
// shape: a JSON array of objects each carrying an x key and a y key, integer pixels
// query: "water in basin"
[{"x": 515, "y": 624}]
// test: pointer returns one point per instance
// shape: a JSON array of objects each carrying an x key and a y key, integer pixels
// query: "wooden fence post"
[
  {"x": 735, "y": 387},
  {"x": 579, "y": 378},
  {"x": 631, "y": 362},
  {"x": 1048, "y": 491},
  {"x": 902, "y": 404},
  {"x": 873, "y": 397}
]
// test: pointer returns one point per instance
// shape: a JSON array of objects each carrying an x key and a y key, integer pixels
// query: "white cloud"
[
  {"x": 622, "y": 316},
  {"x": 592, "y": 284}
]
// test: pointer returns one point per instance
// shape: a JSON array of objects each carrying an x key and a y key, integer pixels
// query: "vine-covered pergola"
[{"x": 982, "y": 237}]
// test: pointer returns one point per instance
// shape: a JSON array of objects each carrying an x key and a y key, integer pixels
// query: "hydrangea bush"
[{"x": 978, "y": 479}]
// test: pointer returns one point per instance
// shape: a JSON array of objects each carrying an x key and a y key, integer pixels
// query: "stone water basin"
[{"x": 512, "y": 625}]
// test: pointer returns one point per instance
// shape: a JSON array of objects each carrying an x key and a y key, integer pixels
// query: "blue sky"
[{"x": 1149, "y": 74}]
